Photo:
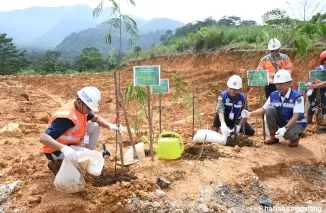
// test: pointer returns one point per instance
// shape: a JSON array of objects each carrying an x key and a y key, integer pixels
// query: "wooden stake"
[
  {"x": 150, "y": 122},
  {"x": 261, "y": 105},
  {"x": 128, "y": 126},
  {"x": 193, "y": 108},
  {"x": 317, "y": 108},
  {"x": 118, "y": 135},
  {"x": 160, "y": 100}
]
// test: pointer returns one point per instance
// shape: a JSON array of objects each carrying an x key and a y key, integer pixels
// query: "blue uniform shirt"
[{"x": 233, "y": 105}]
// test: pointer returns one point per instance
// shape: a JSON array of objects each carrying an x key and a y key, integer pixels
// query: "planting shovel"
[{"x": 105, "y": 152}]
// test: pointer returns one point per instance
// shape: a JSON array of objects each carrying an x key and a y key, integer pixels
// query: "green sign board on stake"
[
  {"x": 257, "y": 78},
  {"x": 163, "y": 88},
  {"x": 147, "y": 75},
  {"x": 315, "y": 74},
  {"x": 302, "y": 87}
]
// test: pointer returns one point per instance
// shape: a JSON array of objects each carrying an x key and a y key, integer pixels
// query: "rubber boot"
[
  {"x": 54, "y": 166},
  {"x": 309, "y": 119},
  {"x": 272, "y": 139},
  {"x": 295, "y": 142}
]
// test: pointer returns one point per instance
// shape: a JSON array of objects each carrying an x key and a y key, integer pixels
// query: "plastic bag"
[
  {"x": 129, "y": 155},
  {"x": 70, "y": 177},
  {"x": 211, "y": 137}
]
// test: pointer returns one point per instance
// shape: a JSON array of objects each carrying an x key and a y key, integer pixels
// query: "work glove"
[
  {"x": 236, "y": 129},
  {"x": 114, "y": 127},
  {"x": 245, "y": 114},
  {"x": 69, "y": 153},
  {"x": 280, "y": 132},
  {"x": 225, "y": 130}
]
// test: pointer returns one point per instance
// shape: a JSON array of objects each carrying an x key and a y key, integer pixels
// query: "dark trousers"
[
  {"x": 231, "y": 123},
  {"x": 269, "y": 89},
  {"x": 275, "y": 121}
]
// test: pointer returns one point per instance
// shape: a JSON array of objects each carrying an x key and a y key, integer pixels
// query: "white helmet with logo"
[
  {"x": 90, "y": 96},
  {"x": 235, "y": 82},
  {"x": 282, "y": 76},
  {"x": 274, "y": 44}
]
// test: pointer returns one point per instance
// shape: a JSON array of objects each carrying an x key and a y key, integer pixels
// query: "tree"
[
  {"x": 276, "y": 18},
  {"x": 247, "y": 23},
  {"x": 192, "y": 28},
  {"x": 229, "y": 21},
  {"x": 132, "y": 30},
  {"x": 51, "y": 61},
  {"x": 90, "y": 58},
  {"x": 305, "y": 9},
  {"x": 318, "y": 17},
  {"x": 11, "y": 59},
  {"x": 117, "y": 22},
  {"x": 167, "y": 36}
]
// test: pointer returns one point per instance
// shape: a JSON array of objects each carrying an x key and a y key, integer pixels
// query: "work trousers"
[{"x": 274, "y": 120}]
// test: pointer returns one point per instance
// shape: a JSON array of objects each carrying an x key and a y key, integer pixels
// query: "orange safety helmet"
[{"x": 322, "y": 56}]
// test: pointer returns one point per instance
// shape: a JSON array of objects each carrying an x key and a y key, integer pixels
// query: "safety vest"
[
  {"x": 274, "y": 64},
  {"x": 73, "y": 135},
  {"x": 233, "y": 105},
  {"x": 286, "y": 108}
]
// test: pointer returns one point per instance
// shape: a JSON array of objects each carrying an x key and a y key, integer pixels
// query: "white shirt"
[{"x": 298, "y": 105}]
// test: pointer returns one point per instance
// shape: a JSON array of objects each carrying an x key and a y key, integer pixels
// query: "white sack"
[{"x": 212, "y": 137}]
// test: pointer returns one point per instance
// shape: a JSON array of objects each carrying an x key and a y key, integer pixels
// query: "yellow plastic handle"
[
  {"x": 174, "y": 134},
  {"x": 145, "y": 139}
]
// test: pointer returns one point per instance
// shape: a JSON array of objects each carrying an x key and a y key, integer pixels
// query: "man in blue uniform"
[
  {"x": 228, "y": 109},
  {"x": 284, "y": 111}
]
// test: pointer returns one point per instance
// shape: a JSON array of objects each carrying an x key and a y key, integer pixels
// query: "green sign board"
[
  {"x": 302, "y": 87},
  {"x": 320, "y": 75},
  {"x": 147, "y": 75},
  {"x": 163, "y": 88},
  {"x": 257, "y": 78}
]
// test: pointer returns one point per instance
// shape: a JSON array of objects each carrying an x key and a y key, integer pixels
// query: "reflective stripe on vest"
[
  {"x": 274, "y": 64},
  {"x": 234, "y": 106},
  {"x": 74, "y": 134},
  {"x": 286, "y": 108}
]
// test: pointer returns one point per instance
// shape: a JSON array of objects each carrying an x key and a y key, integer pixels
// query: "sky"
[{"x": 182, "y": 10}]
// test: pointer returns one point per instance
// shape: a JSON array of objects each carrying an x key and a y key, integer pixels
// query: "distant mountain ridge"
[{"x": 47, "y": 27}]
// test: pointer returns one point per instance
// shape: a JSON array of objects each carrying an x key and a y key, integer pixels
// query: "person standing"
[{"x": 273, "y": 62}]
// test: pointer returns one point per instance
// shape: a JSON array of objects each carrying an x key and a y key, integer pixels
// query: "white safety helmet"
[
  {"x": 274, "y": 44},
  {"x": 90, "y": 96},
  {"x": 235, "y": 82},
  {"x": 282, "y": 76}
]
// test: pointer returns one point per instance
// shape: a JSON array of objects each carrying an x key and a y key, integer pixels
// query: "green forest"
[{"x": 228, "y": 33}]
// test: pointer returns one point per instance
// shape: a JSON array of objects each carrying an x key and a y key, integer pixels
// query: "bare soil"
[{"x": 290, "y": 176}]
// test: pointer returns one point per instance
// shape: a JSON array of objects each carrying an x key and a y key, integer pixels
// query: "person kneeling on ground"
[
  {"x": 317, "y": 84},
  {"x": 284, "y": 111},
  {"x": 228, "y": 109},
  {"x": 71, "y": 124}
]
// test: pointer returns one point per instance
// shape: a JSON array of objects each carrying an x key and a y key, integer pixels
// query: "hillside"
[
  {"x": 95, "y": 37},
  {"x": 38, "y": 27}
]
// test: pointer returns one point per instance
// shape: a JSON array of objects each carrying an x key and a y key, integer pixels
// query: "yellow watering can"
[{"x": 169, "y": 146}]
